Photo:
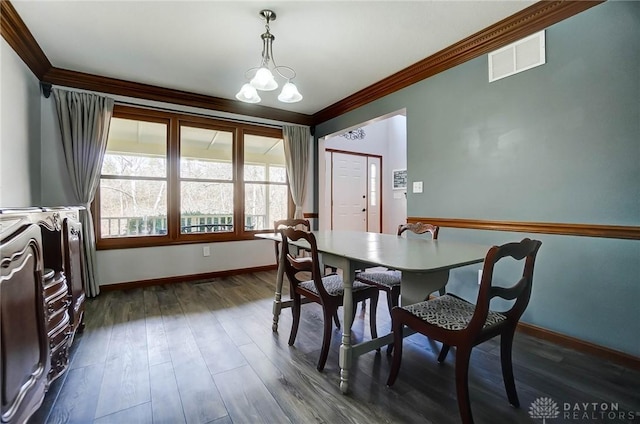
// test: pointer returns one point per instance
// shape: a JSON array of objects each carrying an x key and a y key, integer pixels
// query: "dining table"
[{"x": 424, "y": 263}]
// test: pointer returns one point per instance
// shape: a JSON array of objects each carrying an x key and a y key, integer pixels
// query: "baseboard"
[
  {"x": 184, "y": 278},
  {"x": 616, "y": 356}
]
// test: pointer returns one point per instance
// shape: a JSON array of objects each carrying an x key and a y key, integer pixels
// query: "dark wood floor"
[{"x": 205, "y": 353}]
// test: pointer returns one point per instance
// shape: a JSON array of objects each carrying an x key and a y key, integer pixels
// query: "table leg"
[
  {"x": 416, "y": 287},
  {"x": 277, "y": 301},
  {"x": 348, "y": 275}
]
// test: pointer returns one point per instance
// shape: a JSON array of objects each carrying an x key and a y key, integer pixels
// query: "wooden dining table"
[{"x": 425, "y": 266}]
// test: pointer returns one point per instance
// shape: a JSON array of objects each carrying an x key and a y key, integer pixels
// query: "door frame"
[{"x": 329, "y": 183}]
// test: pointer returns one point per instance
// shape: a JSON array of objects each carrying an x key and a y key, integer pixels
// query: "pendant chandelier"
[{"x": 262, "y": 77}]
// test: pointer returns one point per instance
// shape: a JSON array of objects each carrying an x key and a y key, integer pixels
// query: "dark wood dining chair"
[
  {"x": 324, "y": 290},
  {"x": 456, "y": 322},
  {"x": 301, "y": 224},
  {"x": 389, "y": 280}
]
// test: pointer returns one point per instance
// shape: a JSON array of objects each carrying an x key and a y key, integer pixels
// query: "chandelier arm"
[{"x": 290, "y": 76}]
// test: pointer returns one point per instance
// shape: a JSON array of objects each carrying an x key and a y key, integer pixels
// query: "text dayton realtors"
[{"x": 596, "y": 411}]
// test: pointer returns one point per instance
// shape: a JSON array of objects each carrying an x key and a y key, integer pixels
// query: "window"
[
  {"x": 265, "y": 181},
  {"x": 170, "y": 178}
]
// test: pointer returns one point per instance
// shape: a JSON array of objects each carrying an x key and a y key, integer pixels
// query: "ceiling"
[{"x": 205, "y": 47}]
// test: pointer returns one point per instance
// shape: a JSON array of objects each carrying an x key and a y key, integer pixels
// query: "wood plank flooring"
[{"x": 204, "y": 352}]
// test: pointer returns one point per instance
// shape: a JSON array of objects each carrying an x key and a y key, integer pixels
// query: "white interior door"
[{"x": 349, "y": 192}]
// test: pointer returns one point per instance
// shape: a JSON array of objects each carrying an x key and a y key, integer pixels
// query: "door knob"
[{"x": 363, "y": 209}]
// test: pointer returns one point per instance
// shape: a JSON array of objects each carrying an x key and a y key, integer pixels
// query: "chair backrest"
[
  {"x": 419, "y": 228},
  {"x": 303, "y": 224},
  {"x": 526, "y": 250},
  {"x": 295, "y": 265}
]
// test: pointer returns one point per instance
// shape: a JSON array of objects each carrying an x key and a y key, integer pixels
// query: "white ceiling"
[{"x": 205, "y": 47}]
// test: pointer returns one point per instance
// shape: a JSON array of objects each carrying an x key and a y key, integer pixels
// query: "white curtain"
[
  {"x": 296, "y": 152},
  {"x": 84, "y": 124}
]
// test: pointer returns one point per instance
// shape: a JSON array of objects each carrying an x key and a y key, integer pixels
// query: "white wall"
[
  {"x": 387, "y": 138},
  {"x": 126, "y": 265},
  {"x": 19, "y": 132},
  {"x": 394, "y": 201}
]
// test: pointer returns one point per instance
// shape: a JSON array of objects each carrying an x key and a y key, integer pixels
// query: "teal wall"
[{"x": 557, "y": 143}]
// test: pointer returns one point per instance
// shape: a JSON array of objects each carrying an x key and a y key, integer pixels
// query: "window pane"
[
  {"x": 255, "y": 172},
  {"x": 373, "y": 185},
  {"x": 136, "y": 148},
  {"x": 278, "y": 203},
  {"x": 262, "y": 209},
  {"x": 205, "y": 153},
  {"x": 133, "y": 208},
  {"x": 262, "y": 154},
  {"x": 277, "y": 174},
  {"x": 206, "y": 207}
]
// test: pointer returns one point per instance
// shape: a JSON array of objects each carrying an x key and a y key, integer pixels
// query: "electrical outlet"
[
  {"x": 417, "y": 186},
  {"x": 206, "y": 251}
]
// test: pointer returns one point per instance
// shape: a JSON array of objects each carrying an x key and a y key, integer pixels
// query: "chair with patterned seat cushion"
[
  {"x": 301, "y": 224},
  {"x": 326, "y": 291},
  {"x": 456, "y": 322},
  {"x": 389, "y": 280}
]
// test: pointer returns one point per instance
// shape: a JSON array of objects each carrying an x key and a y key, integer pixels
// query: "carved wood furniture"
[
  {"x": 456, "y": 322},
  {"x": 278, "y": 304},
  {"x": 327, "y": 291},
  {"x": 425, "y": 266},
  {"x": 41, "y": 303}
]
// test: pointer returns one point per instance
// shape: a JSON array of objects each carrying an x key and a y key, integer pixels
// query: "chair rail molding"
[{"x": 583, "y": 230}]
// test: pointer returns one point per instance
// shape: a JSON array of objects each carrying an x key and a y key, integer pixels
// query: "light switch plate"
[{"x": 417, "y": 186}]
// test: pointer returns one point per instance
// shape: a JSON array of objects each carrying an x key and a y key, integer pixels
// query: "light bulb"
[
  {"x": 248, "y": 94},
  {"x": 290, "y": 93},
  {"x": 264, "y": 80}
]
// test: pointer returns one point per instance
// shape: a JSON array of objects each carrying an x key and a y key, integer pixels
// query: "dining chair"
[
  {"x": 389, "y": 280},
  {"x": 456, "y": 322},
  {"x": 301, "y": 224},
  {"x": 324, "y": 290}
]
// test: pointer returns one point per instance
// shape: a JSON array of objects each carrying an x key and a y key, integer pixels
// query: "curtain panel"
[
  {"x": 296, "y": 151},
  {"x": 84, "y": 120}
]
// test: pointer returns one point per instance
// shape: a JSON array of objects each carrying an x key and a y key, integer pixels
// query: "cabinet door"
[
  {"x": 73, "y": 254},
  {"x": 23, "y": 337}
]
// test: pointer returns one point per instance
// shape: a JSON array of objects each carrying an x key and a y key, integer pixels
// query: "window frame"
[{"x": 174, "y": 121}]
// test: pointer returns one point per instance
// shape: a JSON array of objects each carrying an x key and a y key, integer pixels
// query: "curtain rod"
[{"x": 46, "y": 92}]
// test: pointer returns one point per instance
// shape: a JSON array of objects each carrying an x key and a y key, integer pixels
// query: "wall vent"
[{"x": 517, "y": 57}]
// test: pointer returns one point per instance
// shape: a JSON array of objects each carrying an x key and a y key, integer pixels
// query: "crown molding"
[
  {"x": 582, "y": 230},
  {"x": 80, "y": 80},
  {"x": 18, "y": 36},
  {"x": 526, "y": 22}
]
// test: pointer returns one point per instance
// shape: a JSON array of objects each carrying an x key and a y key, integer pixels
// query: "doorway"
[{"x": 340, "y": 196}]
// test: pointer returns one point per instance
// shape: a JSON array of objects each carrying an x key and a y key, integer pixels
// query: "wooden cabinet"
[
  {"x": 42, "y": 303},
  {"x": 24, "y": 342},
  {"x": 74, "y": 270}
]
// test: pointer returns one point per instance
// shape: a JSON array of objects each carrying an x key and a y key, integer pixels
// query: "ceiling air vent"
[{"x": 517, "y": 57}]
